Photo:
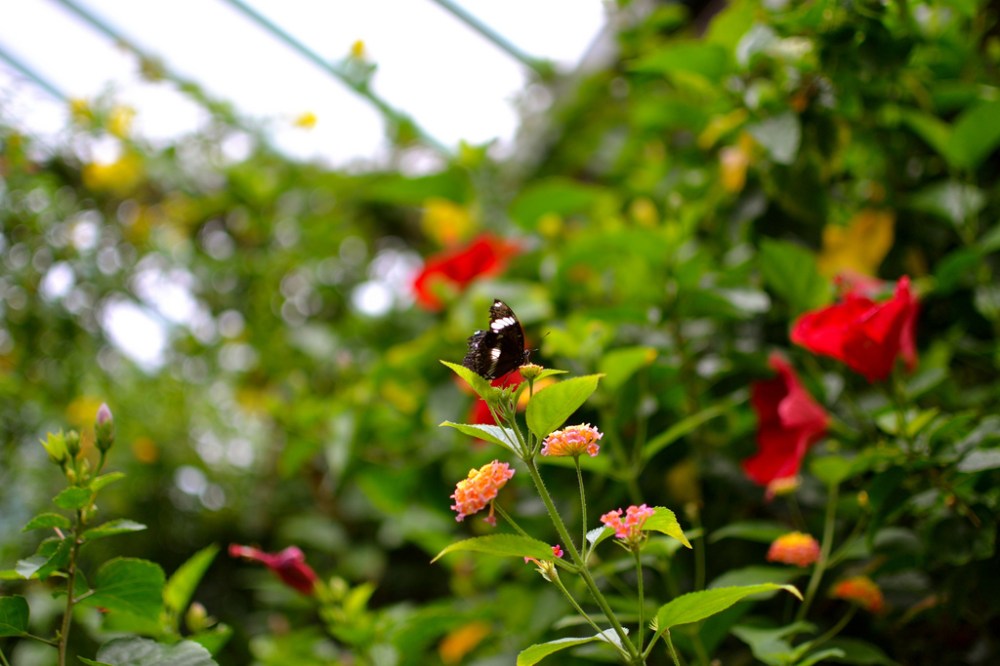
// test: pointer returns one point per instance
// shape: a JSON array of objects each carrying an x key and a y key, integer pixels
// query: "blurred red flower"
[
  {"x": 788, "y": 422},
  {"x": 456, "y": 268},
  {"x": 865, "y": 335},
  {"x": 480, "y": 412},
  {"x": 289, "y": 565}
]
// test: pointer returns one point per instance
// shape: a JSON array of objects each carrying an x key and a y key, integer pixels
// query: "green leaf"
[
  {"x": 213, "y": 639},
  {"x": 832, "y": 470},
  {"x": 481, "y": 386},
  {"x": 954, "y": 201},
  {"x": 980, "y": 461},
  {"x": 760, "y": 531},
  {"x": 73, "y": 498},
  {"x": 504, "y": 545},
  {"x": 180, "y": 587},
  {"x": 46, "y": 521},
  {"x": 709, "y": 61},
  {"x": 560, "y": 196},
  {"x": 505, "y": 437},
  {"x": 780, "y": 136},
  {"x": 771, "y": 645},
  {"x": 539, "y": 651},
  {"x": 106, "y": 480},
  {"x": 975, "y": 135},
  {"x": 859, "y": 652},
  {"x": 618, "y": 365},
  {"x": 696, "y": 606},
  {"x": 113, "y": 527},
  {"x": 145, "y": 652},
  {"x": 13, "y": 616},
  {"x": 57, "y": 560},
  {"x": 790, "y": 271},
  {"x": 683, "y": 427},
  {"x": 665, "y": 522},
  {"x": 129, "y": 585},
  {"x": 934, "y": 131},
  {"x": 820, "y": 657},
  {"x": 549, "y": 409}
]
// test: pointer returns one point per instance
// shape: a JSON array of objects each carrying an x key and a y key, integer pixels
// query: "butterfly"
[{"x": 500, "y": 349}]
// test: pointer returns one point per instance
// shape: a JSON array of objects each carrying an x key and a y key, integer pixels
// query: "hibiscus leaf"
[
  {"x": 790, "y": 271},
  {"x": 535, "y": 653}
]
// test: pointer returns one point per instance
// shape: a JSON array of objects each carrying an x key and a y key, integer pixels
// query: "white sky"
[{"x": 454, "y": 83}]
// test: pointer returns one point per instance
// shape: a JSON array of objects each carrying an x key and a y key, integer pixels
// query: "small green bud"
[
  {"x": 55, "y": 446},
  {"x": 196, "y": 618},
  {"x": 72, "y": 439},
  {"x": 104, "y": 428}
]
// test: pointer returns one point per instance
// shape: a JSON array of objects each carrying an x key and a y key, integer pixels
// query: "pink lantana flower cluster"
[{"x": 630, "y": 529}]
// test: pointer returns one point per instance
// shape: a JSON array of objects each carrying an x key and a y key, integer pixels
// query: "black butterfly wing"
[{"x": 500, "y": 349}]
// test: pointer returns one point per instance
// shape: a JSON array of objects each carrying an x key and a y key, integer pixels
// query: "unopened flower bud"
[
  {"x": 72, "y": 440},
  {"x": 104, "y": 428},
  {"x": 55, "y": 446},
  {"x": 196, "y": 618}
]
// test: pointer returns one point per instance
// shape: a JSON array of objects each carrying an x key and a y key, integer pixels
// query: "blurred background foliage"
[{"x": 674, "y": 207}]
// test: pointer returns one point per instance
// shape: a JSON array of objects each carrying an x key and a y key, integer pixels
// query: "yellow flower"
[
  {"x": 462, "y": 640},
  {"x": 358, "y": 50},
  {"x": 306, "y": 120},
  {"x": 860, "y": 246},
  {"x": 120, "y": 121},
  {"x": 734, "y": 162},
  {"x": 794, "y": 548},
  {"x": 446, "y": 221},
  {"x": 80, "y": 111},
  {"x": 120, "y": 177}
]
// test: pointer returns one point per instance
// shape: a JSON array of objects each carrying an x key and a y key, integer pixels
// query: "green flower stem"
[
  {"x": 670, "y": 646},
  {"x": 699, "y": 549},
  {"x": 895, "y": 390},
  {"x": 583, "y": 504},
  {"x": 70, "y": 584},
  {"x": 824, "y": 553},
  {"x": 572, "y": 601},
  {"x": 574, "y": 554},
  {"x": 837, "y": 628},
  {"x": 3, "y": 659},
  {"x": 642, "y": 598},
  {"x": 510, "y": 521}
]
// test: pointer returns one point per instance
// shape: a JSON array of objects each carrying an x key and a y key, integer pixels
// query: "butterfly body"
[{"x": 499, "y": 349}]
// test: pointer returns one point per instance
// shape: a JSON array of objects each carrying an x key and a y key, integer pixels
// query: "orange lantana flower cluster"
[
  {"x": 479, "y": 489},
  {"x": 794, "y": 548},
  {"x": 573, "y": 441}
]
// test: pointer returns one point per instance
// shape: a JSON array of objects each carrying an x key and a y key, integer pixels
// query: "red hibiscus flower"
[
  {"x": 865, "y": 335},
  {"x": 456, "y": 268},
  {"x": 789, "y": 421},
  {"x": 480, "y": 412},
  {"x": 289, "y": 565}
]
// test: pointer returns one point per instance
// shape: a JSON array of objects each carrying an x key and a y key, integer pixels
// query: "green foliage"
[{"x": 676, "y": 207}]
